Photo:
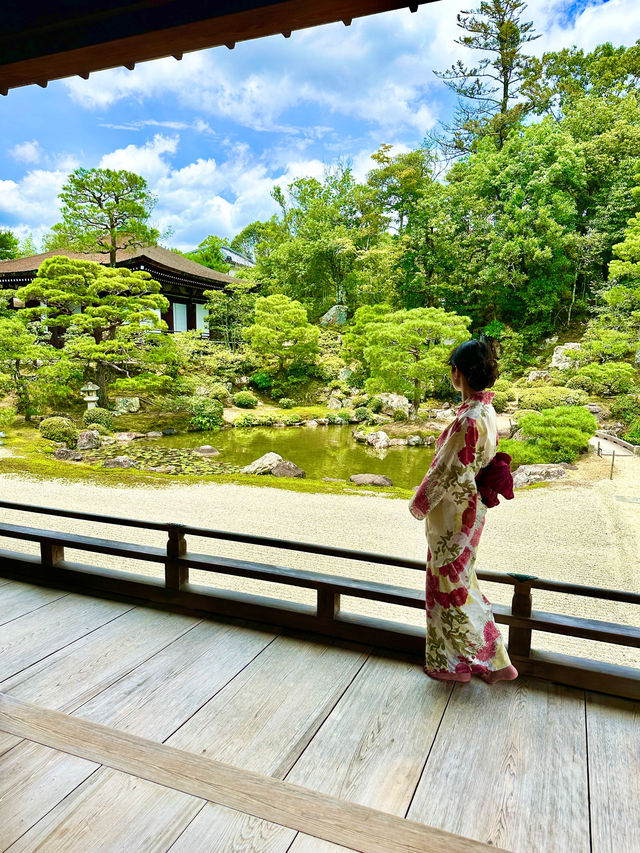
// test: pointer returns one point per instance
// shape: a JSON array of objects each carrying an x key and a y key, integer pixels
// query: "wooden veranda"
[{"x": 145, "y": 714}]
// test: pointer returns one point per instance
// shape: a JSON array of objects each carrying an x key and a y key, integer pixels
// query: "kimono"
[{"x": 462, "y": 638}]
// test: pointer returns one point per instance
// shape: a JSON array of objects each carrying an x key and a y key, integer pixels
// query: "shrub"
[
  {"x": 286, "y": 403},
  {"x": 504, "y": 387},
  {"x": 549, "y": 398},
  {"x": 261, "y": 379},
  {"x": 358, "y": 402},
  {"x": 500, "y": 401},
  {"x": 248, "y": 420},
  {"x": 7, "y": 416},
  {"x": 59, "y": 429},
  {"x": 626, "y": 408},
  {"x": 561, "y": 433},
  {"x": 206, "y": 413},
  {"x": 245, "y": 400},
  {"x": 614, "y": 377},
  {"x": 100, "y": 428},
  {"x": 522, "y": 452},
  {"x": 633, "y": 433},
  {"x": 399, "y": 415},
  {"x": 375, "y": 404},
  {"x": 362, "y": 414},
  {"x": 219, "y": 392},
  {"x": 98, "y": 416},
  {"x": 580, "y": 381},
  {"x": 332, "y": 418},
  {"x": 344, "y": 414}
]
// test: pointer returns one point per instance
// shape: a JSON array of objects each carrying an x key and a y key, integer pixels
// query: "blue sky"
[{"x": 214, "y": 133}]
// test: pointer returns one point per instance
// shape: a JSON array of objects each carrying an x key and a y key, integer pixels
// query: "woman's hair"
[{"x": 477, "y": 360}]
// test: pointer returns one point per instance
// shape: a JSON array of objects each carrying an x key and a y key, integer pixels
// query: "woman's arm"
[{"x": 450, "y": 471}]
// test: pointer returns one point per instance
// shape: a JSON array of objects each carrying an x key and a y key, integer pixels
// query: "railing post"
[
  {"x": 51, "y": 554},
  {"x": 175, "y": 575},
  {"x": 521, "y": 603},
  {"x": 328, "y": 604}
]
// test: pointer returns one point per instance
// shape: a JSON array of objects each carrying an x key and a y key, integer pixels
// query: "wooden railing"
[{"x": 176, "y": 591}]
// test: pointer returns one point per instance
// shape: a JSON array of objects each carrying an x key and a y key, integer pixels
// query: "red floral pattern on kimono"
[{"x": 462, "y": 637}]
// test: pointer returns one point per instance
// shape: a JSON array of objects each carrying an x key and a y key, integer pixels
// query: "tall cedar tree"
[
  {"x": 104, "y": 210},
  {"x": 489, "y": 91}
]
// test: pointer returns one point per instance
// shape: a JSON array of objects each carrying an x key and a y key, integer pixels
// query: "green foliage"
[
  {"x": 59, "y": 429},
  {"x": 626, "y": 408},
  {"x": 7, "y": 416},
  {"x": 522, "y": 452},
  {"x": 261, "y": 379},
  {"x": 500, "y": 400},
  {"x": 375, "y": 404},
  {"x": 206, "y": 413},
  {"x": 229, "y": 311},
  {"x": 99, "y": 428},
  {"x": 361, "y": 413},
  {"x": 286, "y": 403},
  {"x": 99, "y": 416},
  {"x": 104, "y": 210},
  {"x": 333, "y": 418},
  {"x": 344, "y": 414},
  {"x": 505, "y": 387},
  {"x": 633, "y": 433},
  {"x": 219, "y": 392},
  {"x": 9, "y": 245},
  {"x": 281, "y": 334},
  {"x": 245, "y": 400},
  {"x": 613, "y": 377},
  {"x": 550, "y": 397},
  {"x": 209, "y": 255},
  {"x": 560, "y": 434},
  {"x": 399, "y": 415}
]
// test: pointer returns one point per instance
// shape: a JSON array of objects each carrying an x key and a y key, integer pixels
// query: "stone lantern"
[{"x": 89, "y": 394}]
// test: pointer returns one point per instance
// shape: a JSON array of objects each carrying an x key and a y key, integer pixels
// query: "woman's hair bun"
[{"x": 477, "y": 360}]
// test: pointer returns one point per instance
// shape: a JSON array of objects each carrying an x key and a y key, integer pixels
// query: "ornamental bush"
[
  {"x": 59, "y": 429},
  {"x": 633, "y": 433},
  {"x": 361, "y": 414},
  {"x": 261, "y": 379},
  {"x": 614, "y": 377},
  {"x": 550, "y": 397},
  {"x": 344, "y": 414},
  {"x": 375, "y": 404},
  {"x": 332, "y": 418},
  {"x": 399, "y": 415},
  {"x": 560, "y": 433},
  {"x": 500, "y": 400},
  {"x": 98, "y": 416},
  {"x": 504, "y": 387},
  {"x": 219, "y": 392},
  {"x": 286, "y": 403},
  {"x": 358, "y": 402},
  {"x": 99, "y": 428},
  {"x": 245, "y": 400},
  {"x": 626, "y": 408},
  {"x": 206, "y": 413}
]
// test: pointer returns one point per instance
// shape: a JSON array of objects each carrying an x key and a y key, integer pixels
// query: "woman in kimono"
[{"x": 462, "y": 637}]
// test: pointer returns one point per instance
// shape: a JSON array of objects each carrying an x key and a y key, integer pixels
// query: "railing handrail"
[{"x": 585, "y": 590}]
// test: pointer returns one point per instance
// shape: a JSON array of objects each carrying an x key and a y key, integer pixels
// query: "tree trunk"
[{"x": 101, "y": 380}]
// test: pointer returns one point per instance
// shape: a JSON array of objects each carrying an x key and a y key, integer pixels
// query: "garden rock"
[
  {"x": 287, "y": 469},
  {"x": 444, "y": 414},
  {"x": 67, "y": 455},
  {"x": 322, "y": 421},
  {"x": 359, "y": 436},
  {"x": 128, "y": 436},
  {"x": 154, "y": 434},
  {"x": 311, "y": 424},
  {"x": 561, "y": 358},
  {"x": 370, "y": 480},
  {"x": 398, "y": 442},
  {"x": 335, "y": 316},
  {"x": 392, "y": 402},
  {"x": 169, "y": 431},
  {"x": 206, "y": 450},
  {"x": 345, "y": 373},
  {"x": 107, "y": 439},
  {"x": 332, "y": 480},
  {"x": 119, "y": 462},
  {"x": 414, "y": 440},
  {"x": 88, "y": 439},
  {"x": 380, "y": 440},
  {"x": 334, "y": 403},
  {"x": 242, "y": 381},
  {"x": 538, "y": 375},
  {"x": 264, "y": 465},
  {"x": 526, "y": 475},
  {"x": 429, "y": 440},
  {"x": 127, "y": 405}
]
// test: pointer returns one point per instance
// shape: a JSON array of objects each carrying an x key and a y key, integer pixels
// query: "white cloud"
[
  {"x": 34, "y": 198},
  {"x": 27, "y": 152},
  {"x": 147, "y": 160}
]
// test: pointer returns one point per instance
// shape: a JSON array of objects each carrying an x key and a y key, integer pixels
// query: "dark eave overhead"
[{"x": 42, "y": 41}]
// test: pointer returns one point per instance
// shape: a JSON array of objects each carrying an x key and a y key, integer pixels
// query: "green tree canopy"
[
  {"x": 9, "y": 245},
  {"x": 104, "y": 210},
  {"x": 281, "y": 333},
  {"x": 209, "y": 255},
  {"x": 229, "y": 311}
]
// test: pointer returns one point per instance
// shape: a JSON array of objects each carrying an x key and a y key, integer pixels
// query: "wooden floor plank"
[
  {"x": 159, "y": 695},
  {"x": 112, "y": 812},
  {"x": 75, "y": 673},
  {"x": 36, "y": 635},
  {"x": 308, "y": 844},
  {"x": 373, "y": 746},
  {"x": 508, "y": 767},
  {"x": 613, "y": 729},
  {"x": 217, "y": 829},
  {"x": 363, "y": 829},
  {"x": 33, "y": 780},
  {"x": 17, "y": 599},
  {"x": 265, "y": 717}
]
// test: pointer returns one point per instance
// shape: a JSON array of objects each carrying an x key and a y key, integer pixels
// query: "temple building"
[{"x": 182, "y": 281}]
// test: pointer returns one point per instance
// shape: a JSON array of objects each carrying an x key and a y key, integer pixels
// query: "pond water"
[{"x": 329, "y": 451}]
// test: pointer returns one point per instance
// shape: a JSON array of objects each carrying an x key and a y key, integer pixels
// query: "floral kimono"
[{"x": 462, "y": 637}]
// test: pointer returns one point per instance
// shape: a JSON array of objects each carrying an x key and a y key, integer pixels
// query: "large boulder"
[
  {"x": 370, "y": 480},
  {"x": 379, "y": 440},
  {"x": 119, "y": 462},
  {"x": 334, "y": 403},
  {"x": 67, "y": 455},
  {"x": 429, "y": 440},
  {"x": 264, "y": 465},
  {"x": 287, "y": 469},
  {"x": 128, "y": 436},
  {"x": 414, "y": 440},
  {"x": 206, "y": 450},
  {"x": 88, "y": 439},
  {"x": 127, "y": 405},
  {"x": 335, "y": 316},
  {"x": 526, "y": 475},
  {"x": 537, "y": 375},
  {"x": 392, "y": 402},
  {"x": 564, "y": 356},
  {"x": 311, "y": 424},
  {"x": 345, "y": 373}
]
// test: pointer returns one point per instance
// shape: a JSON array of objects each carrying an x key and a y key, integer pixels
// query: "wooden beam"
[{"x": 360, "y": 828}]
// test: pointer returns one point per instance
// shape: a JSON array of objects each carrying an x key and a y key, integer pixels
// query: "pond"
[{"x": 329, "y": 451}]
